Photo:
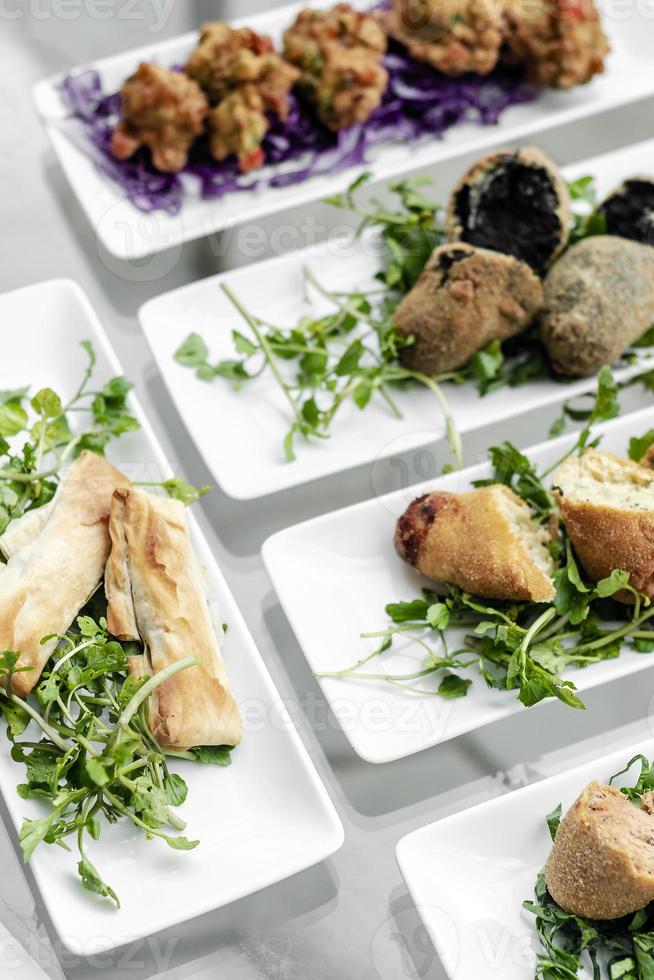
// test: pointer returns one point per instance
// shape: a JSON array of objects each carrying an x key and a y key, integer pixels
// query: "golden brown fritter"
[
  {"x": 560, "y": 42},
  {"x": 513, "y": 201},
  {"x": 465, "y": 298},
  {"x": 607, "y": 507},
  {"x": 163, "y": 110},
  {"x": 339, "y": 53},
  {"x": 485, "y": 542},
  {"x": 238, "y": 125},
  {"x": 602, "y": 862},
  {"x": 599, "y": 299},
  {"x": 245, "y": 79},
  {"x": 454, "y": 36}
]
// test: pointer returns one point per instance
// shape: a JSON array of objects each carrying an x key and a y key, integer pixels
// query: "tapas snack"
[
  {"x": 163, "y": 110},
  {"x": 599, "y": 299},
  {"x": 156, "y": 596},
  {"x": 602, "y": 862},
  {"x": 339, "y": 53},
  {"x": 629, "y": 210},
  {"x": 48, "y": 580},
  {"x": 607, "y": 507},
  {"x": 466, "y": 297},
  {"x": 514, "y": 202},
  {"x": 592, "y": 903},
  {"x": 484, "y": 542}
]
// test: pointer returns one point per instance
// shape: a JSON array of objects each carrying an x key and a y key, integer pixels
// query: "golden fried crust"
[
  {"x": 607, "y": 537},
  {"x": 527, "y": 156},
  {"x": 465, "y": 298},
  {"x": 454, "y": 36},
  {"x": 561, "y": 44},
  {"x": 467, "y": 540},
  {"x": 165, "y": 593},
  {"x": 602, "y": 862},
  {"x": 599, "y": 299},
  {"x": 47, "y": 581}
]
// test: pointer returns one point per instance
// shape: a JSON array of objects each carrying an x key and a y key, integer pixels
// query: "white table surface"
[{"x": 349, "y": 918}]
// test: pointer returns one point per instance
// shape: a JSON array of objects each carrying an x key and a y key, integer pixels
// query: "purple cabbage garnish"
[{"x": 419, "y": 102}]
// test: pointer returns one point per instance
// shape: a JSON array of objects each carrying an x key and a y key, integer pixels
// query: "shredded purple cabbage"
[{"x": 418, "y": 102}]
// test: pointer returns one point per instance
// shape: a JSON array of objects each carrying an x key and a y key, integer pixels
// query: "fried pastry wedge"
[{"x": 56, "y": 562}]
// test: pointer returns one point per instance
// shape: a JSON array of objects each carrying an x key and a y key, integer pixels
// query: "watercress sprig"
[{"x": 87, "y": 748}]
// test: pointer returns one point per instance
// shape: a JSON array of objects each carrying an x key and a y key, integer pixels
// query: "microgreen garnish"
[
  {"x": 95, "y": 756},
  {"x": 617, "y": 949},
  {"x": 37, "y": 439}
]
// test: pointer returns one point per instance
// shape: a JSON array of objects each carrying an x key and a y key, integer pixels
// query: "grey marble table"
[{"x": 350, "y": 917}]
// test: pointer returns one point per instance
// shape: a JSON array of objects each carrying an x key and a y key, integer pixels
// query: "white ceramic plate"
[
  {"x": 335, "y": 574},
  {"x": 240, "y": 433},
  {"x": 265, "y": 817},
  {"x": 469, "y": 873},
  {"x": 128, "y": 233}
]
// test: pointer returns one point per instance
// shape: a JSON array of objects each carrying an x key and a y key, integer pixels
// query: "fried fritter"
[
  {"x": 245, "y": 79},
  {"x": 560, "y": 42},
  {"x": 163, "y": 110},
  {"x": 599, "y": 299},
  {"x": 339, "y": 53},
  {"x": 454, "y": 36},
  {"x": 465, "y": 298}
]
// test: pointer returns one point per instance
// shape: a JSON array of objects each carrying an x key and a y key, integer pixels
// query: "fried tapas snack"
[
  {"x": 156, "y": 594},
  {"x": 55, "y": 566},
  {"x": 465, "y": 298},
  {"x": 560, "y": 42},
  {"x": 244, "y": 80},
  {"x": 163, "y": 110},
  {"x": 339, "y": 54},
  {"x": 454, "y": 36}
]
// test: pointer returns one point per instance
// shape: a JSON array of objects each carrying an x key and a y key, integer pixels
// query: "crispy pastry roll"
[
  {"x": 55, "y": 565},
  {"x": 156, "y": 594}
]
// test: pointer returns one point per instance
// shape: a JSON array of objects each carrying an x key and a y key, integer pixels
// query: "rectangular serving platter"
[
  {"x": 240, "y": 433},
  {"x": 130, "y": 234},
  {"x": 335, "y": 574},
  {"x": 264, "y": 818},
  {"x": 469, "y": 873}
]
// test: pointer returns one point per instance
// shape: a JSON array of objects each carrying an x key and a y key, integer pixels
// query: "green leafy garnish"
[{"x": 96, "y": 756}]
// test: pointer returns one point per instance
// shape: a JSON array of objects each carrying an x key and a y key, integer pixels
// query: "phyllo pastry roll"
[
  {"x": 156, "y": 594},
  {"x": 55, "y": 565}
]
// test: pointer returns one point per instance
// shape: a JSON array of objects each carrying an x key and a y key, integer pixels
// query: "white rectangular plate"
[
  {"x": 240, "y": 433},
  {"x": 128, "y": 233},
  {"x": 469, "y": 873},
  {"x": 264, "y": 818},
  {"x": 335, "y": 574}
]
